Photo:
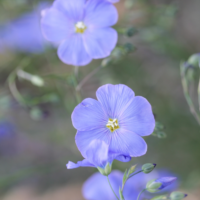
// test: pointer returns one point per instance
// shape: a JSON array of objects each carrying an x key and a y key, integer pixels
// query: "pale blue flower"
[
  {"x": 81, "y": 29},
  {"x": 118, "y": 118}
]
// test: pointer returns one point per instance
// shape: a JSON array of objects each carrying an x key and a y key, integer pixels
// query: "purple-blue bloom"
[
  {"x": 118, "y": 118},
  {"x": 81, "y": 29},
  {"x": 24, "y": 33},
  {"x": 97, "y": 187}
]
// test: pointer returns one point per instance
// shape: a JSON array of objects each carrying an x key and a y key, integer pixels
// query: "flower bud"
[
  {"x": 148, "y": 167},
  {"x": 129, "y": 48},
  {"x": 130, "y": 31},
  {"x": 159, "y": 184},
  {"x": 105, "y": 171},
  {"x": 161, "y": 197},
  {"x": 177, "y": 195},
  {"x": 153, "y": 186}
]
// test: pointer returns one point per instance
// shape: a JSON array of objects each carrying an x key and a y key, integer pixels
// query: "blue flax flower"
[
  {"x": 24, "y": 33},
  {"x": 97, "y": 187},
  {"x": 81, "y": 29},
  {"x": 118, "y": 118}
]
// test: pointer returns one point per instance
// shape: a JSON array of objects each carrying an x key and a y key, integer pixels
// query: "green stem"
[
  {"x": 140, "y": 194},
  {"x": 92, "y": 73},
  {"x": 77, "y": 93},
  {"x": 135, "y": 174},
  {"x": 112, "y": 188},
  {"x": 130, "y": 177}
]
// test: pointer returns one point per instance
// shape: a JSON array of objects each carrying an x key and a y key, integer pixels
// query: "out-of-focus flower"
[
  {"x": 81, "y": 29},
  {"x": 97, "y": 187},
  {"x": 159, "y": 184},
  {"x": 119, "y": 118},
  {"x": 24, "y": 33}
]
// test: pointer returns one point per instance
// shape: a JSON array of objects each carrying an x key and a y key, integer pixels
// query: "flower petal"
[
  {"x": 100, "y": 42},
  {"x": 74, "y": 9},
  {"x": 97, "y": 153},
  {"x": 94, "y": 11},
  {"x": 83, "y": 163},
  {"x": 138, "y": 117},
  {"x": 127, "y": 143},
  {"x": 55, "y": 25},
  {"x": 89, "y": 115},
  {"x": 115, "y": 98},
  {"x": 72, "y": 51},
  {"x": 123, "y": 158},
  {"x": 84, "y": 138},
  {"x": 113, "y": 1},
  {"x": 91, "y": 189}
]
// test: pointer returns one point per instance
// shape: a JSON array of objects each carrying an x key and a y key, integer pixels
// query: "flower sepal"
[
  {"x": 161, "y": 197},
  {"x": 105, "y": 171},
  {"x": 153, "y": 186}
]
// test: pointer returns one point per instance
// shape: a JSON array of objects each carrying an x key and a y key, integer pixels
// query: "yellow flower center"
[
  {"x": 112, "y": 124},
  {"x": 80, "y": 27}
]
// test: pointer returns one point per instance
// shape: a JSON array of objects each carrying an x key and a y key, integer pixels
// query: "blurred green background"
[{"x": 41, "y": 135}]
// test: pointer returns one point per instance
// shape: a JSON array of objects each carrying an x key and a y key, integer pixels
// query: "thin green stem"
[
  {"x": 140, "y": 194},
  {"x": 112, "y": 188},
  {"x": 130, "y": 177},
  {"x": 92, "y": 73},
  {"x": 135, "y": 174},
  {"x": 77, "y": 93}
]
